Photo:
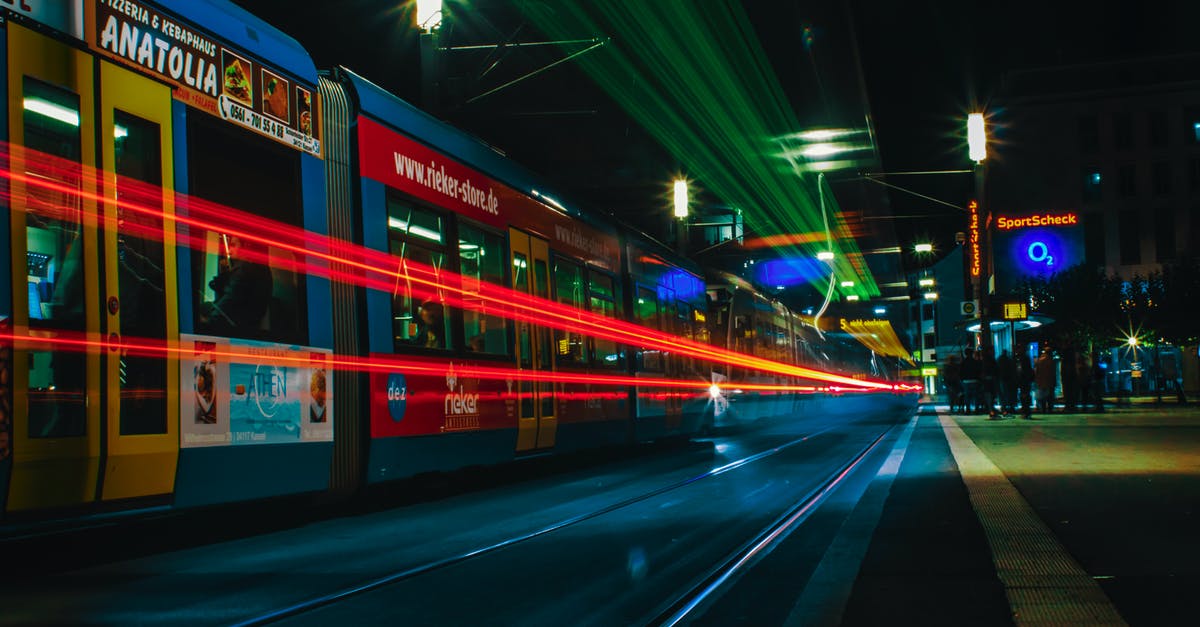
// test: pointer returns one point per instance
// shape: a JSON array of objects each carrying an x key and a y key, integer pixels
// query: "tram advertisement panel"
[
  {"x": 245, "y": 392},
  {"x": 206, "y": 73},
  {"x": 403, "y": 164},
  {"x": 434, "y": 396}
]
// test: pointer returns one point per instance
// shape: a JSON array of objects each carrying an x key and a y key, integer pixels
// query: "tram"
[{"x": 179, "y": 172}]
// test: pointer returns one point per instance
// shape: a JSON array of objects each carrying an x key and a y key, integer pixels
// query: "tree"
[
  {"x": 1173, "y": 296},
  {"x": 1085, "y": 304}
]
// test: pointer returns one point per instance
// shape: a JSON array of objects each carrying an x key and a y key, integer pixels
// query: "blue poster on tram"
[
  {"x": 264, "y": 403},
  {"x": 246, "y": 392}
]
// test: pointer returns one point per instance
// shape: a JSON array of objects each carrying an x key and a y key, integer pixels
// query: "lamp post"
[
  {"x": 429, "y": 22},
  {"x": 977, "y": 150}
]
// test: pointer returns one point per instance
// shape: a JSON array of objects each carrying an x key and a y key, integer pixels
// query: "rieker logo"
[{"x": 460, "y": 402}]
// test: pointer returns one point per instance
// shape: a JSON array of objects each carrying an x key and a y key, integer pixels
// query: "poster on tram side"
[{"x": 244, "y": 392}]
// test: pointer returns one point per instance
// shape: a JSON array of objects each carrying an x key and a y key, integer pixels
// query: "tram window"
[
  {"x": 244, "y": 287},
  {"x": 645, "y": 310},
  {"x": 568, "y": 290},
  {"x": 684, "y": 312},
  {"x": 481, "y": 259},
  {"x": 602, "y": 299},
  {"x": 55, "y": 262},
  {"x": 781, "y": 345},
  {"x": 140, "y": 276},
  {"x": 416, "y": 238}
]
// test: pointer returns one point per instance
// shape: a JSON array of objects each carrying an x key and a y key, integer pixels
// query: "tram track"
[
  {"x": 692, "y": 602},
  {"x": 378, "y": 582}
]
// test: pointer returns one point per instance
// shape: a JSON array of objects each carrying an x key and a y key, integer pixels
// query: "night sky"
[{"x": 926, "y": 63}]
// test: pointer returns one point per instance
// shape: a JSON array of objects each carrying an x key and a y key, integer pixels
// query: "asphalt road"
[{"x": 603, "y": 543}]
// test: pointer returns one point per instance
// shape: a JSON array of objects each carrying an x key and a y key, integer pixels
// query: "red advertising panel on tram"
[{"x": 415, "y": 169}]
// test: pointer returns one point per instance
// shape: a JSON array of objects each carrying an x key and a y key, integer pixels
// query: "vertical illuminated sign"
[{"x": 973, "y": 228}]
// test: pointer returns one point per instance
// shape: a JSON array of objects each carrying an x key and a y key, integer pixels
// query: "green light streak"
[{"x": 693, "y": 74}]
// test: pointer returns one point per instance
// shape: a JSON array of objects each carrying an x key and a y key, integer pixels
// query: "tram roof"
[{"x": 241, "y": 29}]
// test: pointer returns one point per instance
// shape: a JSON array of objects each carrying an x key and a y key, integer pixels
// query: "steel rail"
[
  {"x": 408, "y": 573},
  {"x": 761, "y": 545}
]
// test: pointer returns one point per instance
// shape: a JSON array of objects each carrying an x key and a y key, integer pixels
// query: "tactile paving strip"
[{"x": 1043, "y": 583}]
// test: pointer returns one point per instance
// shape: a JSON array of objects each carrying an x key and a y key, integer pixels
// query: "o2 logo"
[
  {"x": 397, "y": 396},
  {"x": 1039, "y": 253}
]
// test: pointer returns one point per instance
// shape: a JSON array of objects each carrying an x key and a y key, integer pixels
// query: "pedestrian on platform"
[
  {"x": 952, "y": 373},
  {"x": 1046, "y": 379},
  {"x": 1083, "y": 378},
  {"x": 1070, "y": 382},
  {"x": 1025, "y": 378},
  {"x": 1006, "y": 371},
  {"x": 971, "y": 370}
]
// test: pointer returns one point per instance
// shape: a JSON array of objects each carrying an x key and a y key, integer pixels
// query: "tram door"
[
  {"x": 536, "y": 420},
  {"x": 67, "y": 429},
  {"x": 138, "y": 296}
]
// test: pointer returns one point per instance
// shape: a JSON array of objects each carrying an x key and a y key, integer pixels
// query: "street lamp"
[
  {"x": 977, "y": 151},
  {"x": 976, "y": 138},
  {"x": 681, "y": 198},
  {"x": 429, "y": 22},
  {"x": 429, "y": 14},
  {"x": 923, "y": 248},
  {"x": 681, "y": 214}
]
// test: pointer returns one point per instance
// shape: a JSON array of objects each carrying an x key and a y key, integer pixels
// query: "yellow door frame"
[
  {"x": 138, "y": 465},
  {"x": 536, "y": 431},
  {"x": 63, "y": 471}
]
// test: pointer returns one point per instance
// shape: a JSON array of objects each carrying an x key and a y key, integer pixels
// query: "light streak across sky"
[{"x": 695, "y": 76}]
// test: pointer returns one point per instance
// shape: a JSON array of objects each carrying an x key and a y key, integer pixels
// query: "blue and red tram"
[{"x": 178, "y": 172}]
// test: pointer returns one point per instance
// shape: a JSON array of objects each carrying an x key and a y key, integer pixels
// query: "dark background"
[{"x": 924, "y": 65}]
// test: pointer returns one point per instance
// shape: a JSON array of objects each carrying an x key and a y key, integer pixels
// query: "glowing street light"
[
  {"x": 681, "y": 198},
  {"x": 852, "y": 297},
  {"x": 825, "y": 255},
  {"x": 976, "y": 138},
  {"x": 429, "y": 14},
  {"x": 847, "y": 283},
  {"x": 925, "y": 282},
  {"x": 923, "y": 248},
  {"x": 931, "y": 295}
]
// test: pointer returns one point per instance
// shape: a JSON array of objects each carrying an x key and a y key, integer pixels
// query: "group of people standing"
[{"x": 978, "y": 383}]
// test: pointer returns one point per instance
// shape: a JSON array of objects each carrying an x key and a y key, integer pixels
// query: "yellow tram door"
[
  {"x": 56, "y": 444},
  {"x": 536, "y": 416},
  {"x": 138, "y": 297}
]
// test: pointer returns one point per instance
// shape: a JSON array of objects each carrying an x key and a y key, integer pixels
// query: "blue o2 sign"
[
  {"x": 397, "y": 396},
  {"x": 1035, "y": 247}
]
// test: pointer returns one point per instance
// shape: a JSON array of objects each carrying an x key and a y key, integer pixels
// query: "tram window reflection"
[
  {"x": 481, "y": 258},
  {"x": 645, "y": 309},
  {"x": 416, "y": 240},
  {"x": 140, "y": 272},
  {"x": 603, "y": 299},
  {"x": 568, "y": 289},
  {"x": 54, "y": 257},
  {"x": 243, "y": 286}
]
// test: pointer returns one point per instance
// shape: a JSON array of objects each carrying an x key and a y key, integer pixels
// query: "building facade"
[{"x": 1118, "y": 144}]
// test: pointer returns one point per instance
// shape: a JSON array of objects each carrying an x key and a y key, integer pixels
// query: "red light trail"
[
  {"x": 320, "y": 255},
  {"x": 139, "y": 347}
]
